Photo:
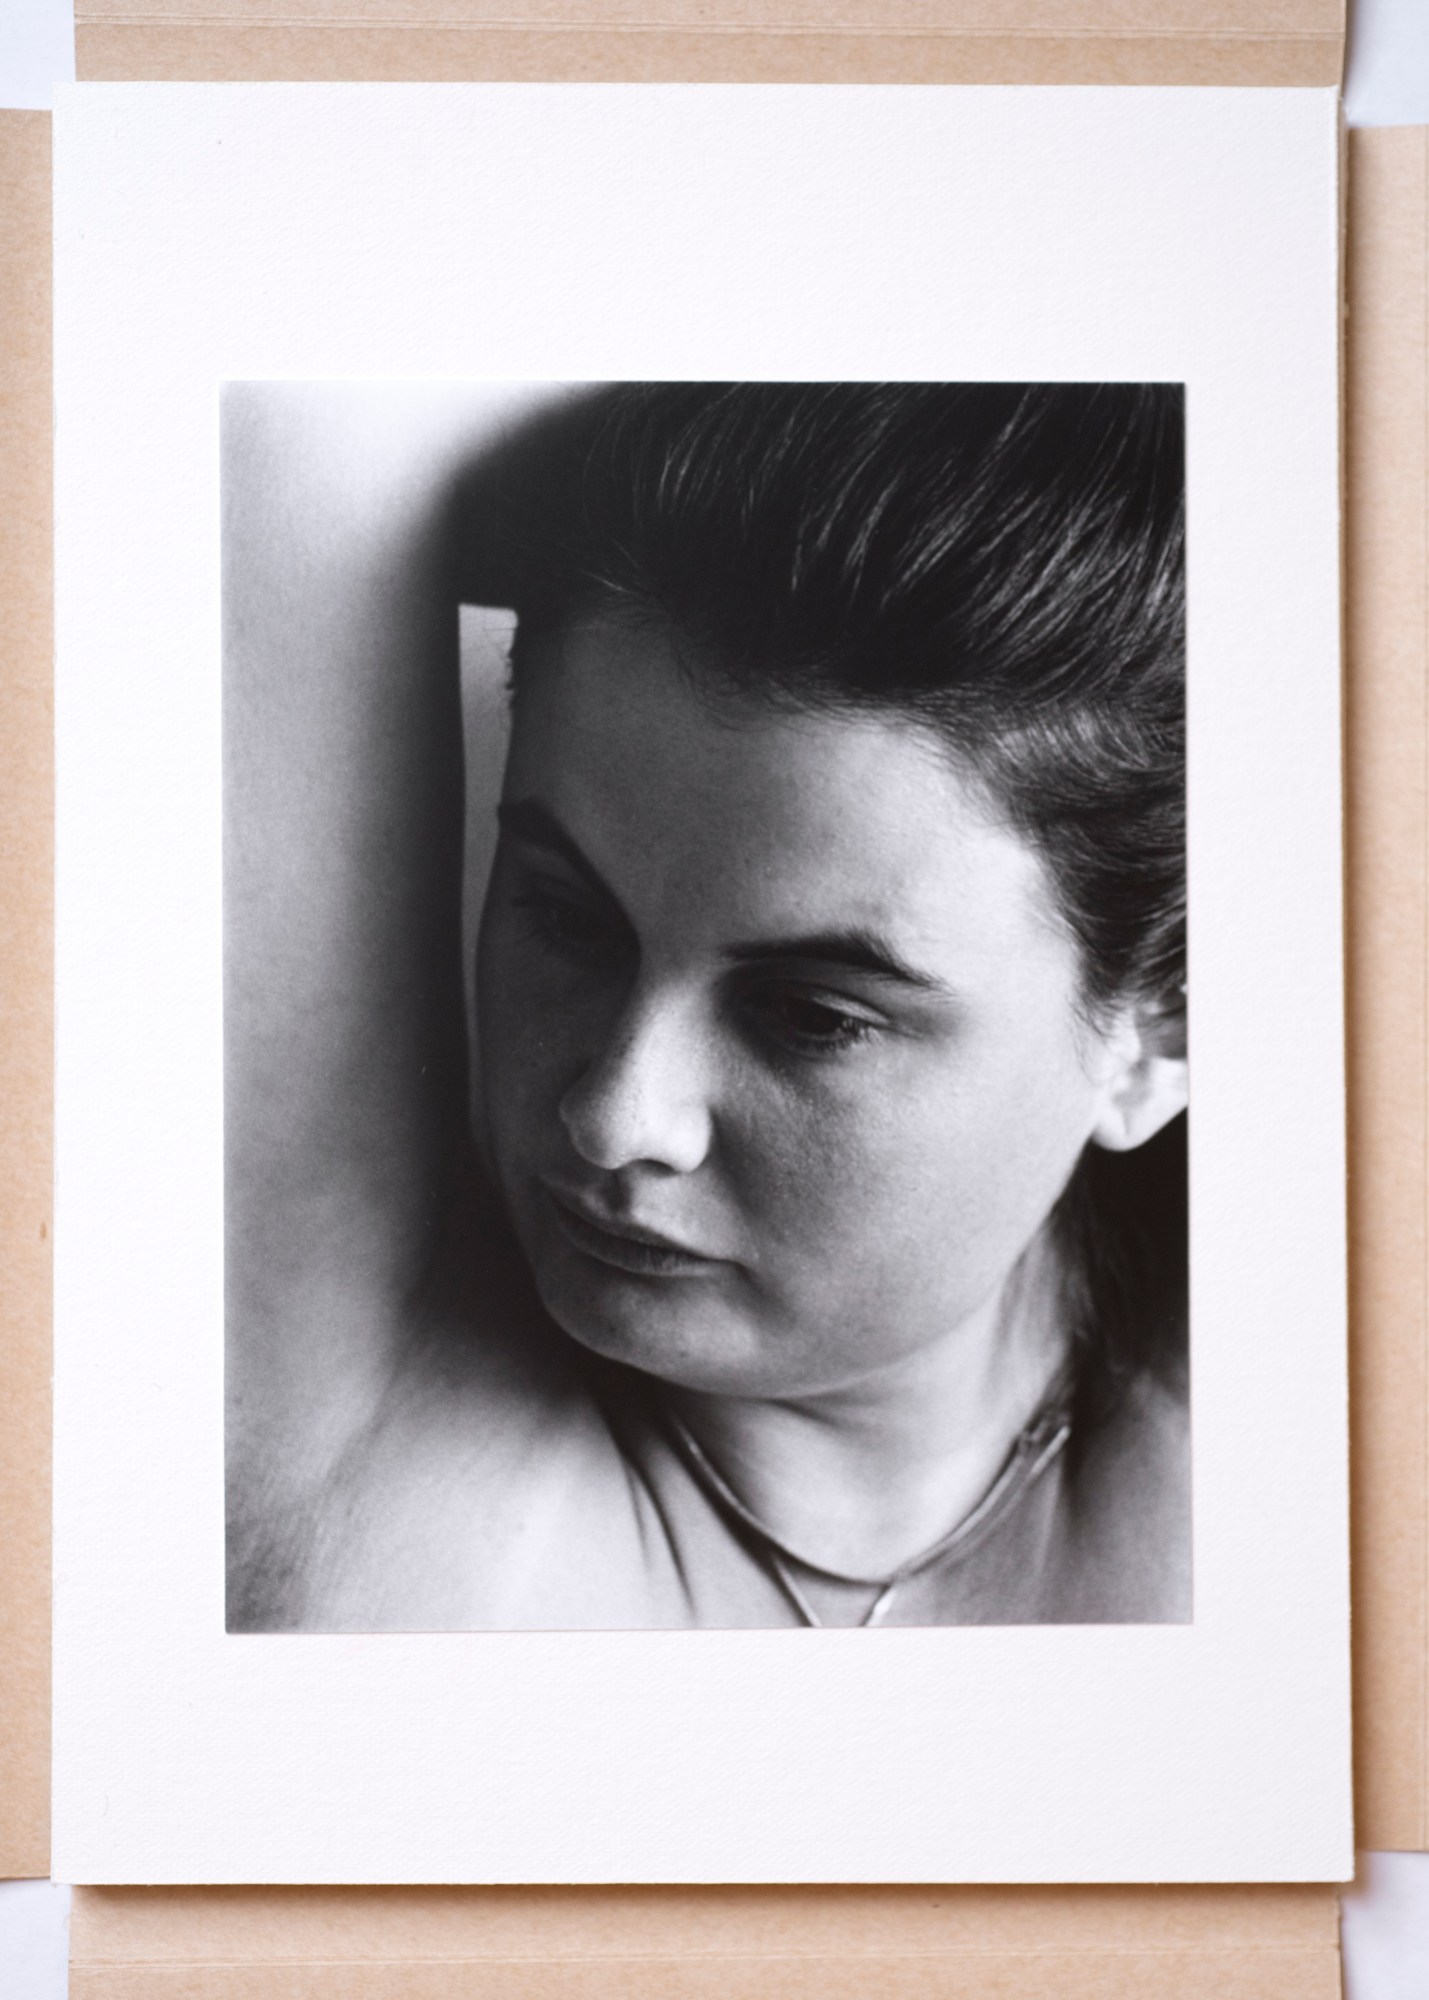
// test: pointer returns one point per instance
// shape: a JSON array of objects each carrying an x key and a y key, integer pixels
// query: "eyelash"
[
  {"x": 846, "y": 1030},
  {"x": 582, "y": 935}
]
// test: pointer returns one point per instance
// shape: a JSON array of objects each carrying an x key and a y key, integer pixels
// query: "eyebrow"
[
  {"x": 535, "y": 826},
  {"x": 854, "y": 949}
]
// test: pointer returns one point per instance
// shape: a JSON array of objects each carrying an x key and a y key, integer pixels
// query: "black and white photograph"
[{"x": 705, "y": 1006}]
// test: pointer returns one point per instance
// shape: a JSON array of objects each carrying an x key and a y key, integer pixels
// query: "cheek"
[
  {"x": 918, "y": 1169},
  {"x": 1015, "y": 1149}
]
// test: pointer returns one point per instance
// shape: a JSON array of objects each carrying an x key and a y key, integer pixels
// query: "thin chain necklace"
[{"x": 1037, "y": 1444}]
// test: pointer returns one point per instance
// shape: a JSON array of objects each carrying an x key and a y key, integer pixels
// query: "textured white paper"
[{"x": 533, "y": 233}]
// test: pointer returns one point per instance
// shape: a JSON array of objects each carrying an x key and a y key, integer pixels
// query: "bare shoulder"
[{"x": 485, "y": 1447}]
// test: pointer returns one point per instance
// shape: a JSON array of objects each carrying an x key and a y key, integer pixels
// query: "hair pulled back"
[{"x": 1004, "y": 564}]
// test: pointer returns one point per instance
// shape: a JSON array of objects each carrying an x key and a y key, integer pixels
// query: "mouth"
[{"x": 626, "y": 1246}]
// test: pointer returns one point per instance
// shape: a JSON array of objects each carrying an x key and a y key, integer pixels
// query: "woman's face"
[{"x": 783, "y": 1065}]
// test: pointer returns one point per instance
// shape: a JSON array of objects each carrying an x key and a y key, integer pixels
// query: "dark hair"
[{"x": 1002, "y": 562}]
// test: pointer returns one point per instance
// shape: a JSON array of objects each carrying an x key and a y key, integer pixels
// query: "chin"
[{"x": 651, "y": 1325}]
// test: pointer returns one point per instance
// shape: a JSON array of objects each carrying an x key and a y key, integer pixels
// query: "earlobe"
[{"x": 1147, "y": 1093}]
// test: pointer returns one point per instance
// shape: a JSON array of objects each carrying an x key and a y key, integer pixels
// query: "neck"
[{"x": 861, "y": 1479}]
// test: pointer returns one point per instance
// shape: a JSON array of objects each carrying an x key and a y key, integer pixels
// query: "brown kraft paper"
[
  {"x": 1387, "y": 599},
  {"x": 705, "y": 1944},
  {"x": 738, "y": 41},
  {"x": 26, "y": 955}
]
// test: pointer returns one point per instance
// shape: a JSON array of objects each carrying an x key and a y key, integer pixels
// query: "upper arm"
[{"x": 344, "y": 1046}]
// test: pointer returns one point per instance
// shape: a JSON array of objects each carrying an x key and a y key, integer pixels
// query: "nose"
[{"x": 642, "y": 1099}]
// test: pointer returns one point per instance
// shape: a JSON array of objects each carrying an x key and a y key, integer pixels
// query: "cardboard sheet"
[
  {"x": 716, "y": 1944},
  {"x": 803, "y": 41},
  {"x": 1387, "y": 471}
]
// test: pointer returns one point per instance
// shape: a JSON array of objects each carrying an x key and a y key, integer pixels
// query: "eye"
[
  {"x": 809, "y": 1023},
  {"x": 571, "y": 925}
]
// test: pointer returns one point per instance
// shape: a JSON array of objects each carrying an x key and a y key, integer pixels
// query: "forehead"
[{"x": 715, "y": 809}]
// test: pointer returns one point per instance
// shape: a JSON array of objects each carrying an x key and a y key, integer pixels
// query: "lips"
[{"x": 625, "y": 1246}]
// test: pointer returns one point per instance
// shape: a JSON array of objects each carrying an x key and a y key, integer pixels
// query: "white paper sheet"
[{"x": 534, "y": 233}]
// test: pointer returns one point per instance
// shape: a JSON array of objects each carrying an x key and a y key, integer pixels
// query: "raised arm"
[{"x": 342, "y": 827}]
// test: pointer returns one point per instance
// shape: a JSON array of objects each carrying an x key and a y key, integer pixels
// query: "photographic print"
[
  {"x": 700, "y": 1194},
  {"x": 791, "y": 1227}
]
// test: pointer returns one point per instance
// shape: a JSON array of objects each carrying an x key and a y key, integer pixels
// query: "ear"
[{"x": 1146, "y": 1084}]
